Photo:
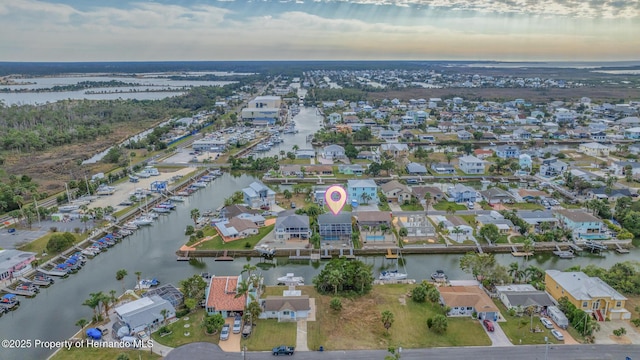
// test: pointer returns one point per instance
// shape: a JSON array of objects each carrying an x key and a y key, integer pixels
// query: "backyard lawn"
[
  {"x": 269, "y": 333},
  {"x": 412, "y": 207},
  {"x": 443, "y": 205},
  {"x": 334, "y": 330},
  {"x": 240, "y": 244},
  {"x": 39, "y": 246},
  {"x": 186, "y": 330}
]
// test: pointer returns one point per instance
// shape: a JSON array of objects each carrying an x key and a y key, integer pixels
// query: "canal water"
[{"x": 52, "y": 314}]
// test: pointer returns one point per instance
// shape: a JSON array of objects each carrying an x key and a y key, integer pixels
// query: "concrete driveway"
[
  {"x": 233, "y": 344},
  {"x": 605, "y": 335},
  {"x": 498, "y": 337}
]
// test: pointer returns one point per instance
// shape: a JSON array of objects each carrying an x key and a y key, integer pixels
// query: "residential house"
[
  {"x": 167, "y": 292},
  {"x": 420, "y": 191},
  {"x": 589, "y": 294},
  {"x": 464, "y": 135},
  {"x": 351, "y": 169},
  {"x": 602, "y": 193},
  {"x": 394, "y": 190},
  {"x": 583, "y": 224},
  {"x": 319, "y": 194},
  {"x": 594, "y": 149},
  {"x": 222, "y": 296},
  {"x": 236, "y": 228},
  {"x": 335, "y": 227},
  {"x": 335, "y": 118},
  {"x": 522, "y": 296},
  {"x": 443, "y": 168},
  {"x": 290, "y": 225},
  {"x": 634, "y": 149},
  {"x": 318, "y": 170},
  {"x": 231, "y": 211},
  {"x": 258, "y": 194},
  {"x": 145, "y": 314},
  {"x": 389, "y": 135},
  {"x": 496, "y": 195},
  {"x": 508, "y": 152},
  {"x": 504, "y": 226},
  {"x": 466, "y": 300},
  {"x": 305, "y": 154},
  {"x": 521, "y": 134},
  {"x": 414, "y": 168},
  {"x": 618, "y": 167},
  {"x": 369, "y": 155},
  {"x": 418, "y": 227},
  {"x": 553, "y": 167},
  {"x": 395, "y": 149},
  {"x": 285, "y": 308},
  {"x": 531, "y": 195},
  {"x": 535, "y": 219},
  {"x": 462, "y": 193},
  {"x": 373, "y": 219},
  {"x": 363, "y": 191},
  {"x": 333, "y": 152},
  {"x": 291, "y": 170},
  {"x": 471, "y": 165},
  {"x": 482, "y": 153},
  {"x": 524, "y": 160},
  {"x": 598, "y": 136},
  {"x": 632, "y": 133}
]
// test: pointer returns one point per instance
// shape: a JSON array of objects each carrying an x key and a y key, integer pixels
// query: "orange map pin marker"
[{"x": 335, "y": 197}]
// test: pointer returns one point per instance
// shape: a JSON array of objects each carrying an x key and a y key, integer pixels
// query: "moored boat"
[
  {"x": 439, "y": 276},
  {"x": 291, "y": 279},
  {"x": 147, "y": 284},
  {"x": 392, "y": 275},
  {"x": 9, "y": 301}
]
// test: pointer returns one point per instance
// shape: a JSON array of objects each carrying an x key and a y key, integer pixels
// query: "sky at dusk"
[{"x": 509, "y": 30}]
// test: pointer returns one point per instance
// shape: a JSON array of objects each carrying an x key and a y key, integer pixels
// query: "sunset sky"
[{"x": 511, "y": 30}]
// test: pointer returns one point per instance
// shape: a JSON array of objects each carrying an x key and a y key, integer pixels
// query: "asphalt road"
[{"x": 531, "y": 352}]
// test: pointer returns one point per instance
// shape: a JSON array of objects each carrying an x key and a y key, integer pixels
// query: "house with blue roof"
[
  {"x": 363, "y": 191},
  {"x": 258, "y": 194}
]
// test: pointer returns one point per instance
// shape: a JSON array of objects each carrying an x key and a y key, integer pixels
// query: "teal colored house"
[
  {"x": 583, "y": 224},
  {"x": 363, "y": 191}
]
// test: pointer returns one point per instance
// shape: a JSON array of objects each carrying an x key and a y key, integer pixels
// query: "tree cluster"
[
  {"x": 60, "y": 242},
  {"x": 624, "y": 276},
  {"x": 578, "y": 318},
  {"x": 345, "y": 277}
]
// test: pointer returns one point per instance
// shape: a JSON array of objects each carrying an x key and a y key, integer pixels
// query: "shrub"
[
  {"x": 189, "y": 230},
  {"x": 636, "y": 322},
  {"x": 59, "y": 242},
  {"x": 619, "y": 332},
  {"x": 53, "y": 229},
  {"x": 336, "y": 304},
  {"x": 419, "y": 294},
  {"x": 247, "y": 245},
  {"x": 440, "y": 324},
  {"x": 182, "y": 312},
  {"x": 429, "y": 323},
  {"x": 164, "y": 330}
]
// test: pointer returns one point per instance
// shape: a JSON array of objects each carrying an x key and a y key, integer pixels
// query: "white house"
[
  {"x": 258, "y": 194},
  {"x": 333, "y": 152},
  {"x": 285, "y": 308},
  {"x": 471, "y": 165},
  {"x": 145, "y": 313},
  {"x": 594, "y": 149}
]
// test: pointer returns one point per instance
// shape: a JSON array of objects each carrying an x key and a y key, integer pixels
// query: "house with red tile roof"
[
  {"x": 221, "y": 296},
  {"x": 482, "y": 153}
]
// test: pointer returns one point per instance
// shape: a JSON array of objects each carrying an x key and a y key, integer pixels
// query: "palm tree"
[
  {"x": 164, "y": 313},
  {"x": 138, "y": 274},
  {"x": 451, "y": 209},
  {"x": 456, "y": 230},
  {"x": 195, "y": 215},
  {"x": 528, "y": 246},
  {"x": 105, "y": 300},
  {"x": 427, "y": 202},
  {"x": 120, "y": 275},
  {"x": 82, "y": 323},
  {"x": 515, "y": 271},
  {"x": 365, "y": 198},
  {"x": 112, "y": 294},
  {"x": 248, "y": 268},
  {"x": 335, "y": 279},
  {"x": 242, "y": 289},
  {"x": 387, "y": 319},
  {"x": 94, "y": 303}
]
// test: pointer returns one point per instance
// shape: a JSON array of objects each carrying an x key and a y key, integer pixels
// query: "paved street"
[{"x": 203, "y": 351}]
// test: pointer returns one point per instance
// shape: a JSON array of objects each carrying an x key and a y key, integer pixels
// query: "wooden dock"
[
  {"x": 516, "y": 253},
  {"x": 403, "y": 281},
  {"x": 184, "y": 258},
  {"x": 390, "y": 255},
  {"x": 225, "y": 257},
  {"x": 349, "y": 256},
  {"x": 621, "y": 250}
]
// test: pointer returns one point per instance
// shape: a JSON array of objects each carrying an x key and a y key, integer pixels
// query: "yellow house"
[{"x": 590, "y": 294}]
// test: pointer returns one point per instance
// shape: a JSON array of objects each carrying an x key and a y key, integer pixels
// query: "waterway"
[{"x": 53, "y": 313}]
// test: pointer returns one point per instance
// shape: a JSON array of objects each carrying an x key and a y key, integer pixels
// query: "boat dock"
[
  {"x": 21, "y": 292},
  {"x": 185, "y": 257},
  {"x": 59, "y": 273},
  {"x": 595, "y": 246},
  {"x": 225, "y": 257},
  {"x": 349, "y": 255},
  {"x": 564, "y": 254},
  {"x": 402, "y": 281},
  {"x": 390, "y": 255},
  {"x": 621, "y": 250},
  {"x": 516, "y": 253}
]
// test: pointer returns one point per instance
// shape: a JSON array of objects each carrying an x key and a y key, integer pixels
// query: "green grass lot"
[
  {"x": 470, "y": 219},
  {"x": 103, "y": 354},
  {"x": 269, "y": 333},
  {"x": 525, "y": 206},
  {"x": 442, "y": 206},
  {"x": 39, "y": 245},
  {"x": 518, "y": 239},
  {"x": 517, "y": 328},
  {"x": 384, "y": 207},
  {"x": 195, "y": 331},
  {"x": 334, "y": 330},
  {"x": 412, "y": 207},
  {"x": 218, "y": 244}
]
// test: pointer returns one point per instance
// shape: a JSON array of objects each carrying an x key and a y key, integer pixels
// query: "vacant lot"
[
  {"x": 269, "y": 333},
  {"x": 103, "y": 354},
  {"x": 361, "y": 316}
]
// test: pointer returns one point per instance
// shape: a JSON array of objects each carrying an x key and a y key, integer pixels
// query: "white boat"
[
  {"x": 199, "y": 184},
  {"x": 143, "y": 221},
  {"x": 290, "y": 279},
  {"x": 147, "y": 284},
  {"x": 105, "y": 190},
  {"x": 130, "y": 226},
  {"x": 392, "y": 275},
  {"x": 177, "y": 198},
  {"x": 439, "y": 276},
  {"x": 161, "y": 210}
]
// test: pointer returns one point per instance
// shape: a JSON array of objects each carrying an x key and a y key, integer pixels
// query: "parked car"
[
  {"x": 237, "y": 325},
  {"x": 283, "y": 350},
  {"x": 224, "y": 334},
  {"x": 557, "y": 334},
  {"x": 546, "y": 322},
  {"x": 488, "y": 324},
  {"x": 293, "y": 205}
]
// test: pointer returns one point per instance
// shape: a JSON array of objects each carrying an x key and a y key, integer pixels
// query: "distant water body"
[{"x": 554, "y": 64}]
